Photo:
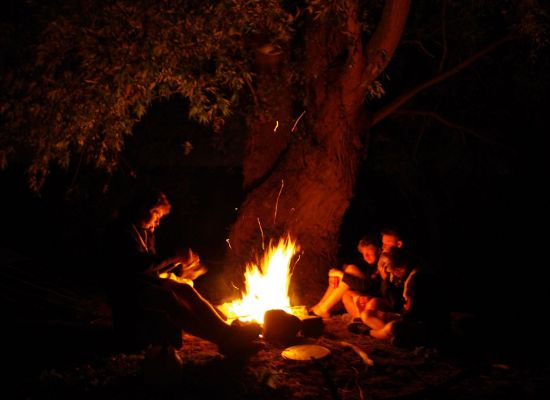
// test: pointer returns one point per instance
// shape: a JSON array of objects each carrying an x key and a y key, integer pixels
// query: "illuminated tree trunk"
[{"x": 302, "y": 181}]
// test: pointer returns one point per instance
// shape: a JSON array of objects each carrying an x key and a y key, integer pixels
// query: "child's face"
[
  {"x": 389, "y": 241},
  {"x": 397, "y": 274},
  {"x": 369, "y": 253}
]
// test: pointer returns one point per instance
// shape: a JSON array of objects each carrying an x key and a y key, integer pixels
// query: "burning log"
[
  {"x": 265, "y": 298},
  {"x": 281, "y": 327},
  {"x": 266, "y": 285}
]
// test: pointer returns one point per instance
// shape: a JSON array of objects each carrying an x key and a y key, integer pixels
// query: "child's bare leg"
[
  {"x": 323, "y": 309},
  {"x": 373, "y": 318},
  {"x": 323, "y": 299},
  {"x": 319, "y": 309},
  {"x": 355, "y": 303},
  {"x": 384, "y": 333}
]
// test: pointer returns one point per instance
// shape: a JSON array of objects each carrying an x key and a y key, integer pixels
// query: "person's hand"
[
  {"x": 170, "y": 264},
  {"x": 176, "y": 260},
  {"x": 192, "y": 267},
  {"x": 176, "y": 278},
  {"x": 336, "y": 273}
]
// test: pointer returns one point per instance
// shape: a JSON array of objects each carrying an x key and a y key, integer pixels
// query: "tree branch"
[
  {"x": 443, "y": 36},
  {"x": 405, "y": 97},
  {"x": 356, "y": 59},
  {"x": 385, "y": 39},
  {"x": 450, "y": 124},
  {"x": 420, "y": 45}
]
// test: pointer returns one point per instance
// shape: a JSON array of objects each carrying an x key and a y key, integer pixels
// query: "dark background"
[
  {"x": 477, "y": 226},
  {"x": 472, "y": 200}
]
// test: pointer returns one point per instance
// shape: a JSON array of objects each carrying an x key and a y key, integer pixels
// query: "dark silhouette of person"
[{"x": 148, "y": 309}]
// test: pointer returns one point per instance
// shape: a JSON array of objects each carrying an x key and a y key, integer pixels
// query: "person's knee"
[{"x": 353, "y": 270}]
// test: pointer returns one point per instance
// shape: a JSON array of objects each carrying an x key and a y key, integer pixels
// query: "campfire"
[{"x": 266, "y": 285}]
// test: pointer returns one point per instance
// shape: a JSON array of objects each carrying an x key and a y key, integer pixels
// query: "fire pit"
[
  {"x": 266, "y": 285},
  {"x": 265, "y": 298}
]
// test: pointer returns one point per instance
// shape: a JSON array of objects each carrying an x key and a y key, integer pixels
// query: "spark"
[
  {"x": 228, "y": 243},
  {"x": 262, "y": 232},
  {"x": 277, "y": 202},
  {"x": 298, "y": 120},
  {"x": 294, "y": 266},
  {"x": 276, "y": 126}
]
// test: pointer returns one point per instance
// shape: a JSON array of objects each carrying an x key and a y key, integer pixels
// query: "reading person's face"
[{"x": 155, "y": 215}]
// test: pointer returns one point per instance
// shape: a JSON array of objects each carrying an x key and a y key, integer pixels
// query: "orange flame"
[{"x": 266, "y": 286}]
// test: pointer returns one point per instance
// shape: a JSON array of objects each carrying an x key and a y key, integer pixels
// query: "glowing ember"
[{"x": 266, "y": 286}]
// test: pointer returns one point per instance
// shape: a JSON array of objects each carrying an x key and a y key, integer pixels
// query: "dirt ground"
[
  {"x": 58, "y": 344},
  {"x": 63, "y": 361}
]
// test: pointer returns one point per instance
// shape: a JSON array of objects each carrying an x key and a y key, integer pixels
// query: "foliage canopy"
[
  {"x": 74, "y": 88},
  {"x": 98, "y": 65}
]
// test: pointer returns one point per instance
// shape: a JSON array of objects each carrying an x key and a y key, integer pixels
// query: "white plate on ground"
[{"x": 305, "y": 352}]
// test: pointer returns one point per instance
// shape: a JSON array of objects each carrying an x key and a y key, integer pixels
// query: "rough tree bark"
[{"x": 302, "y": 186}]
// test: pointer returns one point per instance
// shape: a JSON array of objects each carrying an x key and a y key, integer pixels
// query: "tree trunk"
[
  {"x": 305, "y": 197},
  {"x": 306, "y": 186}
]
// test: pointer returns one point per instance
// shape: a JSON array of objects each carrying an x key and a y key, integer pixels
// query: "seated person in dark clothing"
[
  {"x": 389, "y": 305},
  {"x": 148, "y": 309},
  {"x": 355, "y": 278},
  {"x": 356, "y": 301},
  {"x": 417, "y": 317}
]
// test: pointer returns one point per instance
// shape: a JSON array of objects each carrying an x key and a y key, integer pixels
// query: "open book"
[{"x": 186, "y": 272}]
